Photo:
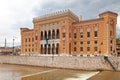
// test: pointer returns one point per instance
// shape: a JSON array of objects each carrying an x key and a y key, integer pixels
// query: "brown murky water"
[
  {"x": 16, "y": 72},
  {"x": 106, "y": 75}
]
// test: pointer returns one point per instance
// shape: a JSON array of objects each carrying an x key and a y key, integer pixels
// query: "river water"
[{"x": 16, "y": 72}]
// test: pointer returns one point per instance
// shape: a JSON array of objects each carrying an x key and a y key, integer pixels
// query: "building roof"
[
  {"x": 90, "y": 20},
  {"x": 56, "y": 15},
  {"x": 26, "y": 29}
]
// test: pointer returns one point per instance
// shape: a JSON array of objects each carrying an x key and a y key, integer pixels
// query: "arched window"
[
  {"x": 57, "y": 34},
  {"x": 49, "y": 34},
  {"x": 53, "y": 34},
  {"x": 53, "y": 48},
  {"x": 49, "y": 48},
  {"x": 45, "y": 50},
  {"x": 41, "y": 49},
  {"x": 57, "y": 48},
  {"x": 45, "y": 34},
  {"x": 41, "y": 35}
]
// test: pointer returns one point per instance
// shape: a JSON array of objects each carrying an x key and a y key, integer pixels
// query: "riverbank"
[{"x": 68, "y": 62}]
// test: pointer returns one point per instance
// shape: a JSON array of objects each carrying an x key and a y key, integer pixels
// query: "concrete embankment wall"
[{"x": 72, "y": 62}]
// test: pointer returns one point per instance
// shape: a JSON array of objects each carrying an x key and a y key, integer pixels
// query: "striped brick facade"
[{"x": 66, "y": 34}]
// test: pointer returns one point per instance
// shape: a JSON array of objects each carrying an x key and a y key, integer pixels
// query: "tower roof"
[{"x": 108, "y": 12}]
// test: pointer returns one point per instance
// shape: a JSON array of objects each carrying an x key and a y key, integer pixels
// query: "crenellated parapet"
[{"x": 55, "y": 15}]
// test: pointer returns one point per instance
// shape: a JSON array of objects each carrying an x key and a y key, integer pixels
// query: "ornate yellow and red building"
[{"x": 65, "y": 33}]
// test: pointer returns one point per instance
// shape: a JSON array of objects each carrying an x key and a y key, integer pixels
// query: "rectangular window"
[
  {"x": 25, "y": 50},
  {"x": 110, "y": 33},
  {"x": 88, "y": 48},
  {"x": 74, "y": 43},
  {"x": 75, "y": 36},
  {"x": 26, "y": 40},
  {"x": 74, "y": 48},
  {"x": 111, "y": 48},
  {"x": 81, "y": 35},
  {"x": 88, "y": 34},
  {"x": 88, "y": 42},
  {"x": 81, "y": 48},
  {"x": 95, "y": 42},
  {"x": 63, "y": 35},
  {"x": 69, "y": 35},
  {"x": 95, "y": 34},
  {"x": 36, "y": 37},
  {"x": 32, "y": 45},
  {"x": 29, "y": 39},
  {"x": 95, "y": 48},
  {"x": 81, "y": 42},
  {"x": 111, "y": 41}
]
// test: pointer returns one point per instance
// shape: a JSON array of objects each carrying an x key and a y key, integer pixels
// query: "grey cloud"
[{"x": 87, "y": 8}]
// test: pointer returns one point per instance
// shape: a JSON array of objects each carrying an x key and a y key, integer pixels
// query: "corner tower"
[{"x": 109, "y": 31}]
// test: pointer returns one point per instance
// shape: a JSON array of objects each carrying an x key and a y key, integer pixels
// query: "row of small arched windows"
[{"x": 50, "y": 34}]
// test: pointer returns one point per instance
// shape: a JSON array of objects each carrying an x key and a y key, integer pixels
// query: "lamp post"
[{"x": 14, "y": 44}]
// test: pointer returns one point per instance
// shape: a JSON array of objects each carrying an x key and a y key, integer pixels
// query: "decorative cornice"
[
  {"x": 26, "y": 29},
  {"x": 56, "y": 15},
  {"x": 87, "y": 21},
  {"x": 108, "y": 12}
]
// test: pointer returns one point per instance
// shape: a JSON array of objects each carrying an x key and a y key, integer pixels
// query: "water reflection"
[{"x": 14, "y": 72}]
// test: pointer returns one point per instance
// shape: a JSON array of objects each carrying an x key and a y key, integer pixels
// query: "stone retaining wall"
[{"x": 72, "y": 62}]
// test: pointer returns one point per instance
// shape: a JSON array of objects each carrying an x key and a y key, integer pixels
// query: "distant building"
[
  {"x": 64, "y": 33},
  {"x": 9, "y": 50},
  {"x": 5, "y": 51}
]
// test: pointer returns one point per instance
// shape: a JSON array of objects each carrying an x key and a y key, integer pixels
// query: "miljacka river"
[{"x": 20, "y": 72}]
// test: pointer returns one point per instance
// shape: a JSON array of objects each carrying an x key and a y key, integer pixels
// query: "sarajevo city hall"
[{"x": 64, "y": 33}]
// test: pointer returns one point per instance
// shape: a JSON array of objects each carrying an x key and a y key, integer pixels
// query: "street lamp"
[{"x": 14, "y": 44}]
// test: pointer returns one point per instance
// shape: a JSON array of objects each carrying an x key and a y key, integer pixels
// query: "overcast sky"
[{"x": 15, "y": 14}]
